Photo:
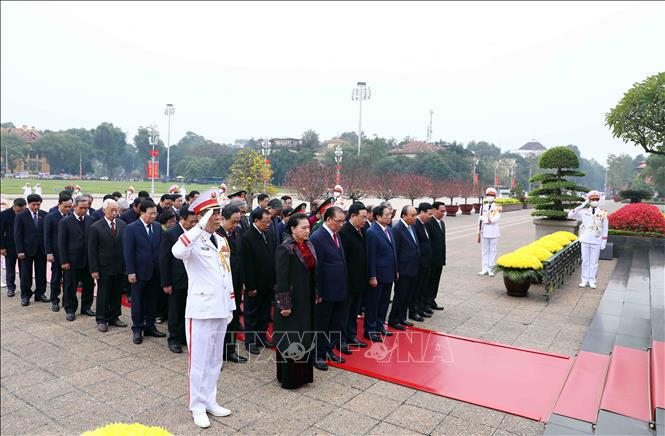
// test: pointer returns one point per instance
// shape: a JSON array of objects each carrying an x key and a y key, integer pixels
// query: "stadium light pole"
[
  {"x": 168, "y": 111},
  {"x": 360, "y": 92}
]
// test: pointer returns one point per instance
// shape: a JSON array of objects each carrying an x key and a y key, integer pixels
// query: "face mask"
[
  {"x": 490, "y": 199},
  {"x": 594, "y": 203}
]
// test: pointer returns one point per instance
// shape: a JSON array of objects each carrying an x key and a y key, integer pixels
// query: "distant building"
[
  {"x": 288, "y": 143},
  {"x": 532, "y": 147},
  {"x": 34, "y": 163},
  {"x": 414, "y": 148},
  {"x": 331, "y": 144}
]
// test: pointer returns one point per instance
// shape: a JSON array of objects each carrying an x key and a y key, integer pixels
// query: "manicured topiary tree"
[
  {"x": 636, "y": 192},
  {"x": 556, "y": 194}
]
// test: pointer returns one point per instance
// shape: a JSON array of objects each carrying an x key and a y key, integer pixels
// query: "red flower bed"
[{"x": 638, "y": 217}]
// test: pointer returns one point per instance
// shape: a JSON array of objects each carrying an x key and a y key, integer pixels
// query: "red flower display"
[{"x": 638, "y": 217}]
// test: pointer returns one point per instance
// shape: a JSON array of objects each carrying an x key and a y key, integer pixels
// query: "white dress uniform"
[
  {"x": 593, "y": 237},
  {"x": 38, "y": 189},
  {"x": 489, "y": 236},
  {"x": 27, "y": 190},
  {"x": 209, "y": 309}
]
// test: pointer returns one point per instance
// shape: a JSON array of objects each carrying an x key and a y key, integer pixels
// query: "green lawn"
[{"x": 52, "y": 187}]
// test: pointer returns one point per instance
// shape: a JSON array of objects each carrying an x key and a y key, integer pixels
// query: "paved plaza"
[{"x": 61, "y": 377}]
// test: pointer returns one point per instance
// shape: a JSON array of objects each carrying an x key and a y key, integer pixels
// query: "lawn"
[{"x": 12, "y": 187}]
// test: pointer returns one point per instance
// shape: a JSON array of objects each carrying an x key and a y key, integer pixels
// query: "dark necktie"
[
  {"x": 35, "y": 219},
  {"x": 149, "y": 227},
  {"x": 213, "y": 240},
  {"x": 593, "y": 211},
  {"x": 263, "y": 235},
  {"x": 335, "y": 239},
  {"x": 387, "y": 234},
  {"x": 113, "y": 228}
]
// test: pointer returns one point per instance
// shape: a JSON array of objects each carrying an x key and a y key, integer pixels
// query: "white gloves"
[
  {"x": 203, "y": 222},
  {"x": 603, "y": 245}
]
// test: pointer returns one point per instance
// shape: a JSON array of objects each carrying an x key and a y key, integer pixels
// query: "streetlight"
[
  {"x": 170, "y": 110},
  {"x": 153, "y": 140},
  {"x": 265, "y": 151},
  {"x": 475, "y": 175},
  {"x": 338, "y": 160},
  {"x": 360, "y": 92}
]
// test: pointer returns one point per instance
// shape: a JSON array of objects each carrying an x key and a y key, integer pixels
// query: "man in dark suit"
[
  {"x": 91, "y": 210},
  {"x": 437, "y": 233},
  {"x": 331, "y": 288},
  {"x": 353, "y": 240},
  {"x": 7, "y": 244},
  {"x": 99, "y": 213},
  {"x": 107, "y": 265},
  {"x": 173, "y": 278},
  {"x": 29, "y": 239},
  {"x": 51, "y": 246},
  {"x": 141, "y": 247},
  {"x": 132, "y": 214},
  {"x": 229, "y": 230},
  {"x": 258, "y": 259},
  {"x": 275, "y": 208},
  {"x": 165, "y": 202},
  {"x": 417, "y": 309},
  {"x": 73, "y": 249},
  {"x": 408, "y": 265},
  {"x": 382, "y": 266}
]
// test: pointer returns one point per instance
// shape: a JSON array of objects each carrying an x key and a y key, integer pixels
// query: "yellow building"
[{"x": 34, "y": 163}]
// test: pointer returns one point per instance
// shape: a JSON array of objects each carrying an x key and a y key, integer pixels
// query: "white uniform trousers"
[
  {"x": 590, "y": 255},
  {"x": 205, "y": 340},
  {"x": 488, "y": 247}
]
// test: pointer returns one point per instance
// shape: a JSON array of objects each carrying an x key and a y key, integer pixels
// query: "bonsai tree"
[
  {"x": 556, "y": 194},
  {"x": 636, "y": 192}
]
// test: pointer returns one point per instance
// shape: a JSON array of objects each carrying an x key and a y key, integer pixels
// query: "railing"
[{"x": 559, "y": 266}]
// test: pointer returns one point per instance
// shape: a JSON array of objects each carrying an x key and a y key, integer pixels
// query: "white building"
[{"x": 532, "y": 147}]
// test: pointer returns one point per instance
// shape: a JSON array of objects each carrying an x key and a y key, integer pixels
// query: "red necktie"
[
  {"x": 113, "y": 228},
  {"x": 335, "y": 239}
]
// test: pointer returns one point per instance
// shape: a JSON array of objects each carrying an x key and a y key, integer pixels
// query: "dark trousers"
[
  {"x": 56, "y": 281},
  {"x": 109, "y": 297},
  {"x": 404, "y": 290},
  {"x": 417, "y": 303},
  {"x": 72, "y": 278},
  {"x": 433, "y": 284},
  {"x": 10, "y": 264},
  {"x": 351, "y": 311},
  {"x": 144, "y": 303},
  {"x": 39, "y": 263},
  {"x": 257, "y": 313},
  {"x": 162, "y": 310},
  {"x": 376, "y": 307},
  {"x": 328, "y": 320},
  {"x": 177, "y": 303}
]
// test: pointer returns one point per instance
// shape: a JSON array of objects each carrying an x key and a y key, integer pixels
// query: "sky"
[{"x": 503, "y": 72}]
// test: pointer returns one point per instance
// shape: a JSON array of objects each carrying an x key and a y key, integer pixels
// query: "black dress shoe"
[
  {"x": 268, "y": 344},
  {"x": 335, "y": 358},
  {"x": 386, "y": 333},
  {"x": 407, "y": 323},
  {"x": 320, "y": 365},
  {"x": 88, "y": 312},
  {"x": 417, "y": 317},
  {"x": 428, "y": 310},
  {"x": 374, "y": 337},
  {"x": 253, "y": 348},
  {"x": 43, "y": 299},
  {"x": 71, "y": 316},
  {"x": 235, "y": 357},
  {"x": 425, "y": 315},
  {"x": 435, "y": 306},
  {"x": 25, "y": 302},
  {"x": 55, "y": 307},
  {"x": 356, "y": 343},
  {"x": 159, "y": 320},
  {"x": 137, "y": 337},
  {"x": 118, "y": 323},
  {"x": 345, "y": 349},
  {"x": 102, "y": 327},
  {"x": 154, "y": 333},
  {"x": 397, "y": 326},
  {"x": 11, "y": 293},
  {"x": 175, "y": 348}
]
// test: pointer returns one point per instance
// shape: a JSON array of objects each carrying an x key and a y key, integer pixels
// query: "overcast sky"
[{"x": 501, "y": 72}]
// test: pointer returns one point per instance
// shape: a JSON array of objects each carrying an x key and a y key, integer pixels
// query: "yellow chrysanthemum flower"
[
  {"x": 120, "y": 429},
  {"x": 568, "y": 235},
  {"x": 535, "y": 250},
  {"x": 548, "y": 244},
  {"x": 561, "y": 240},
  {"x": 519, "y": 261}
]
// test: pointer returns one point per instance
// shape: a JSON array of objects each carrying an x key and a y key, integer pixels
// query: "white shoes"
[
  {"x": 592, "y": 285},
  {"x": 482, "y": 273},
  {"x": 201, "y": 419},
  {"x": 582, "y": 285},
  {"x": 491, "y": 273},
  {"x": 218, "y": 410}
]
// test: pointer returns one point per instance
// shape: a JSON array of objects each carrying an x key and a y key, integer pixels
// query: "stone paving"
[{"x": 61, "y": 377}]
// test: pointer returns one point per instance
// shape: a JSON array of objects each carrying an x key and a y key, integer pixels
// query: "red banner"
[
  {"x": 475, "y": 179},
  {"x": 153, "y": 170},
  {"x": 496, "y": 180},
  {"x": 512, "y": 183}
]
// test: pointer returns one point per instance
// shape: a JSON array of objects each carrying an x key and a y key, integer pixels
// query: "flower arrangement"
[
  {"x": 519, "y": 266},
  {"x": 548, "y": 244},
  {"x": 120, "y": 429},
  {"x": 507, "y": 200},
  {"x": 535, "y": 250},
  {"x": 561, "y": 240},
  {"x": 568, "y": 235},
  {"x": 638, "y": 219}
]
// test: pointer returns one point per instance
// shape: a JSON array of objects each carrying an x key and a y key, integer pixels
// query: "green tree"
[
  {"x": 65, "y": 151},
  {"x": 556, "y": 194},
  {"x": 109, "y": 143},
  {"x": 196, "y": 167},
  {"x": 282, "y": 160},
  {"x": 640, "y": 115},
  {"x": 8, "y": 125},
  {"x": 637, "y": 191},
  {"x": 310, "y": 140},
  {"x": 16, "y": 147},
  {"x": 143, "y": 149},
  {"x": 248, "y": 172},
  {"x": 655, "y": 173},
  {"x": 621, "y": 170}
]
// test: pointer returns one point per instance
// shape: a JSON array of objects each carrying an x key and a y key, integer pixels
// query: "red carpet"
[
  {"x": 658, "y": 374},
  {"x": 583, "y": 390},
  {"x": 509, "y": 379},
  {"x": 627, "y": 386}
]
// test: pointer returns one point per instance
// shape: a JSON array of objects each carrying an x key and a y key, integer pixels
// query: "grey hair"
[
  {"x": 238, "y": 203},
  {"x": 123, "y": 204},
  {"x": 80, "y": 199},
  {"x": 109, "y": 202}
]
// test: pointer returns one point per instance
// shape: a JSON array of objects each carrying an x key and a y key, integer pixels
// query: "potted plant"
[
  {"x": 466, "y": 192},
  {"x": 636, "y": 224},
  {"x": 636, "y": 192},
  {"x": 556, "y": 194},
  {"x": 519, "y": 270},
  {"x": 451, "y": 189}
]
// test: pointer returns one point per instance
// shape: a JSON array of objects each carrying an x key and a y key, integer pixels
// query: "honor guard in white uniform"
[
  {"x": 593, "y": 236},
  {"x": 210, "y": 304},
  {"x": 489, "y": 232},
  {"x": 130, "y": 195},
  {"x": 338, "y": 192}
]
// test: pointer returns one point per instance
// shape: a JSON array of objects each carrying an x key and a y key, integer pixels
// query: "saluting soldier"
[
  {"x": 593, "y": 236},
  {"x": 489, "y": 232},
  {"x": 329, "y": 202}
]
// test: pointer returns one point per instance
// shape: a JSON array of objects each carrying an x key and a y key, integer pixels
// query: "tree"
[
  {"x": 282, "y": 160},
  {"x": 636, "y": 192},
  {"x": 310, "y": 181},
  {"x": 310, "y": 140},
  {"x": 640, "y": 115},
  {"x": 383, "y": 185},
  {"x": 621, "y": 170},
  {"x": 15, "y": 147},
  {"x": 354, "y": 179},
  {"x": 65, "y": 151},
  {"x": 109, "y": 143},
  {"x": 413, "y": 186},
  {"x": 143, "y": 149},
  {"x": 249, "y": 172},
  {"x": 8, "y": 125},
  {"x": 655, "y": 173},
  {"x": 197, "y": 167},
  {"x": 556, "y": 194}
]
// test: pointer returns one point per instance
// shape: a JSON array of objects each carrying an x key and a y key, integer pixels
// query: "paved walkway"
[{"x": 62, "y": 377}]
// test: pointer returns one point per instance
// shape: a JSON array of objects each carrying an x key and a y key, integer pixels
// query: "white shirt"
[
  {"x": 330, "y": 232},
  {"x": 145, "y": 226},
  {"x": 108, "y": 222}
]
